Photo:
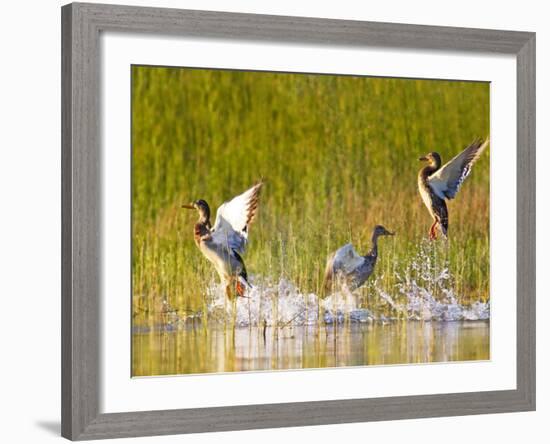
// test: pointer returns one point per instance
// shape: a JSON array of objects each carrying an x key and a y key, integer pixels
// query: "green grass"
[{"x": 339, "y": 155}]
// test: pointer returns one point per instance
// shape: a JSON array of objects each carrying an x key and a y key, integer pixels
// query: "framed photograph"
[{"x": 281, "y": 221}]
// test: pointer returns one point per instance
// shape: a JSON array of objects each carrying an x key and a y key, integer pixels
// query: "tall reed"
[{"x": 338, "y": 154}]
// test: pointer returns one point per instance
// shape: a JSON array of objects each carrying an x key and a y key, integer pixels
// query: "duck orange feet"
[
  {"x": 239, "y": 288},
  {"x": 433, "y": 233}
]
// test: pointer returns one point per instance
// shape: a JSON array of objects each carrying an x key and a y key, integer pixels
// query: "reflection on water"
[{"x": 200, "y": 350}]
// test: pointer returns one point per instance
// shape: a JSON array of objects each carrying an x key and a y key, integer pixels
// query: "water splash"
[
  {"x": 424, "y": 291},
  {"x": 427, "y": 286},
  {"x": 266, "y": 303}
]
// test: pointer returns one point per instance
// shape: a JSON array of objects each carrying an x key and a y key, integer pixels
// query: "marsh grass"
[{"x": 338, "y": 155}]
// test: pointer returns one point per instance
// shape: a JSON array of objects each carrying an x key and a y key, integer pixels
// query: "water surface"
[{"x": 196, "y": 349}]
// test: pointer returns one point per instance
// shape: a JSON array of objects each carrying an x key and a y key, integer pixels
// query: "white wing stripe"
[
  {"x": 446, "y": 181},
  {"x": 233, "y": 218}
]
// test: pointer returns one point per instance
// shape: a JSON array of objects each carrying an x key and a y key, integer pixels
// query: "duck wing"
[
  {"x": 234, "y": 217},
  {"x": 344, "y": 261},
  {"x": 446, "y": 181}
]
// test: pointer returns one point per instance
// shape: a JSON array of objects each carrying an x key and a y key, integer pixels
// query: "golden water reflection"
[{"x": 200, "y": 350}]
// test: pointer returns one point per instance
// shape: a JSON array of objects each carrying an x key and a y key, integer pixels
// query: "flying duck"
[
  {"x": 437, "y": 183},
  {"x": 346, "y": 266},
  {"x": 225, "y": 242}
]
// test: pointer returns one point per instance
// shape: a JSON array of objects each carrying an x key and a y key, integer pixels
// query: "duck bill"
[
  {"x": 423, "y": 158},
  {"x": 389, "y": 233},
  {"x": 189, "y": 207}
]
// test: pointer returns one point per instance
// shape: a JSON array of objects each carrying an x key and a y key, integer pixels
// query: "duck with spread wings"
[
  {"x": 224, "y": 243},
  {"x": 346, "y": 266},
  {"x": 437, "y": 183}
]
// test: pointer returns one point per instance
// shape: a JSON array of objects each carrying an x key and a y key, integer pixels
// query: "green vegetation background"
[{"x": 339, "y": 155}]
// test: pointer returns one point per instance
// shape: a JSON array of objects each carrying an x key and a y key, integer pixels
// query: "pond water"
[{"x": 196, "y": 349}]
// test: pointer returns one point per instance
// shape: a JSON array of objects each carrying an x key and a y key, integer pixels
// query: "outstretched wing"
[
  {"x": 343, "y": 261},
  {"x": 234, "y": 217},
  {"x": 446, "y": 181}
]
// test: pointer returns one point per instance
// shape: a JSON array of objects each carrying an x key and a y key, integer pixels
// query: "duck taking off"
[
  {"x": 437, "y": 183},
  {"x": 225, "y": 242},
  {"x": 346, "y": 266}
]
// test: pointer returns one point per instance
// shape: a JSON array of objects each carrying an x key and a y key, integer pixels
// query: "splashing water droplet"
[{"x": 424, "y": 291}]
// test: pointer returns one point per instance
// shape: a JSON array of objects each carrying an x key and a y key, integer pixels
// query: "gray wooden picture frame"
[{"x": 81, "y": 231}]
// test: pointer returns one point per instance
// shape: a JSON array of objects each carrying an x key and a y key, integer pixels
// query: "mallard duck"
[
  {"x": 346, "y": 266},
  {"x": 225, "y": 242},
  {"x": 437, "y": 183}
]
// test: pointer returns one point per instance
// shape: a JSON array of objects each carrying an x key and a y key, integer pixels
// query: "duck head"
[
  {"x": 433, "y": 159},
  {"x": 202, "y": 207},
  {"x": 379, "y": 230}
]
